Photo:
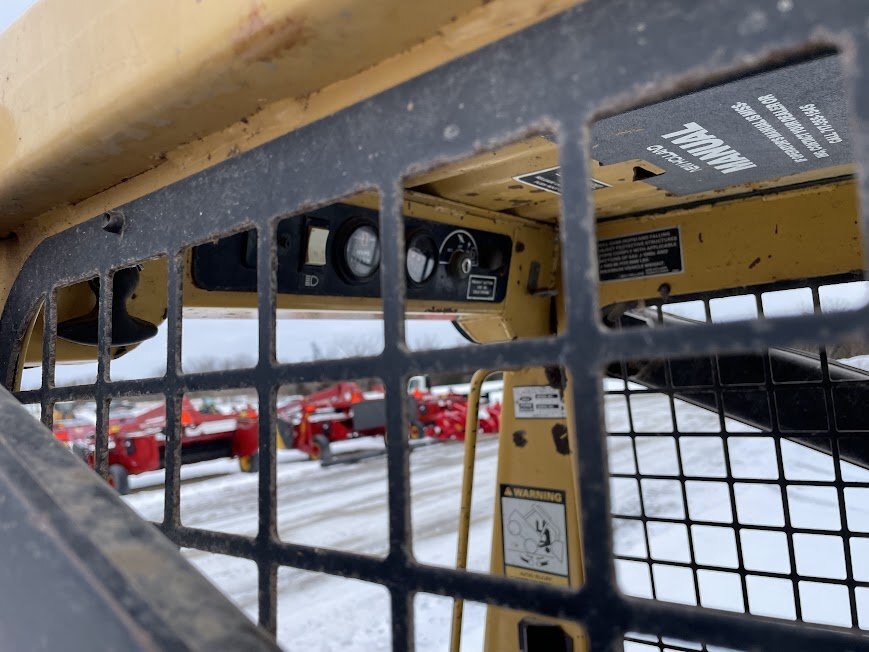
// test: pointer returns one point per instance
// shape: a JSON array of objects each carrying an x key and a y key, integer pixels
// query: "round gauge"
[
  {"x": 459, "y": 252},
  {"x": 421, "y": 258},
  {"x": 362, "y": 252}
]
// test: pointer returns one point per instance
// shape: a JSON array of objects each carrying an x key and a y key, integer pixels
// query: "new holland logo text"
[{"x": 698, "y": 142}]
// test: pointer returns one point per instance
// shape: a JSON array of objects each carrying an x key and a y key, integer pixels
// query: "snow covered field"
[
  {"x": 757, "y": 504},
  {"x": 344, "y": 507},
  {"x": 340, "y": 507}
]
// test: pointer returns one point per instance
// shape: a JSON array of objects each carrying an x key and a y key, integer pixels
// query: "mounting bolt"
[
  {"x": 113, "y": 222},
  {"x": 664, "y": 290}
]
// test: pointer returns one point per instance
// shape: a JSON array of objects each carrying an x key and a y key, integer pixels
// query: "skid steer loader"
[{"x": 646, "y": 215}]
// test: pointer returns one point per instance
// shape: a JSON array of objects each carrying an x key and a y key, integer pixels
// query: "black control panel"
[{"x": 335, "y": 251}]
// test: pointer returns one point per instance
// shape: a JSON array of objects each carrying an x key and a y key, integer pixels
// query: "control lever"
[{"x": 126, "y": 329}]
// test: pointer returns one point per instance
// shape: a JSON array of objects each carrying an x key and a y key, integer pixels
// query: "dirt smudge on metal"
[
  {"x": 261, "y": 39},
  {"x": 559, "y": 436}
]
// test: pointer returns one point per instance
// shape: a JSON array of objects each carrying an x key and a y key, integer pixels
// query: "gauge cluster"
[{"x": 336, "y": 251}]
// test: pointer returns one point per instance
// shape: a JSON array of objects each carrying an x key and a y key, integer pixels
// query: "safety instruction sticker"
[
  {"x": 537, "y": 402},
  {"x": 481, "y": 288},
  {"x": 550, "y": 180},
  {"x": 651, "y": 253},
  {"x": 534, "y": 533}
]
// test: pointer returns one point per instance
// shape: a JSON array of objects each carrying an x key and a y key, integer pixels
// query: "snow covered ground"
[
  {"x": 340, "y": 507},
  {"x": 344, "y": 507},
  {"x": 758, "y": 505}
]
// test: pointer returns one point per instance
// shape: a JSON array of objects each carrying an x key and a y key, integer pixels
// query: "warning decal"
[
  {"x": 537, "y": 402},
  {"x": 652, "y": 253},
  {"x": 550, "y": 180},
  {"x": 534, "y": 530},
  {"x": 481, "y": 288}
]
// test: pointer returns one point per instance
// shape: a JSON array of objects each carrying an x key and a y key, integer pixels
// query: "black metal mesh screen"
[
  {"x": 559, "y": 75},
  {"x": 736, "y": 480}
]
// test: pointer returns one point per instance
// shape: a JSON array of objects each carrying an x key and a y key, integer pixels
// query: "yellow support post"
[{"x": 471, "y": 427}]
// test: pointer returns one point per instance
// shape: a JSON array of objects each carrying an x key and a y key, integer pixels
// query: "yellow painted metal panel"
[
  {"x": 808, "y": 233},
  {"x": 95, "y": 91},
  {"x": 530, "y": 457}
]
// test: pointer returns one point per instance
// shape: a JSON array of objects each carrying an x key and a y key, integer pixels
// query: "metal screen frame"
[
  {"x": 596, "y": 59},
  {"x": 775, "y": 382}
]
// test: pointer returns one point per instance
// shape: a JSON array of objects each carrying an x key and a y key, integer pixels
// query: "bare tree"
[{"x": 237, "y": 361}]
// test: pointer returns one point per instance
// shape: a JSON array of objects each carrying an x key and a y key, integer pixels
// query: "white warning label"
[
  {"x": 534, "y": 533},
  {"x": 537, "y": 402}
]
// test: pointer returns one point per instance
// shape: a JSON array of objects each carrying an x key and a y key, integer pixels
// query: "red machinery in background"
[
  {"x": 310, "y": 424},
  {"x": 443, "y": 416},
  {"x": 137, "y": 442},
  {"x": 71, "y": 429},
  {"x": 343, "y": 411}
]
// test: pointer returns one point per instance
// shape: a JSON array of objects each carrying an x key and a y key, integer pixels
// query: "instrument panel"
[{"x": 336, "y": 251}]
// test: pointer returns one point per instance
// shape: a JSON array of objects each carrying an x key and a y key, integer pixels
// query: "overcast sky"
[
  {"x": 232, "y": 343},
  {"x": 10, "y": 10}
]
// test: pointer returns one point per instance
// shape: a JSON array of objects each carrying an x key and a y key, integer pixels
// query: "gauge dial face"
[
  {"x": 421, "y": 258},
  {"x": 462, "y": 242},
  {"x": 362, "y": 252}
]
